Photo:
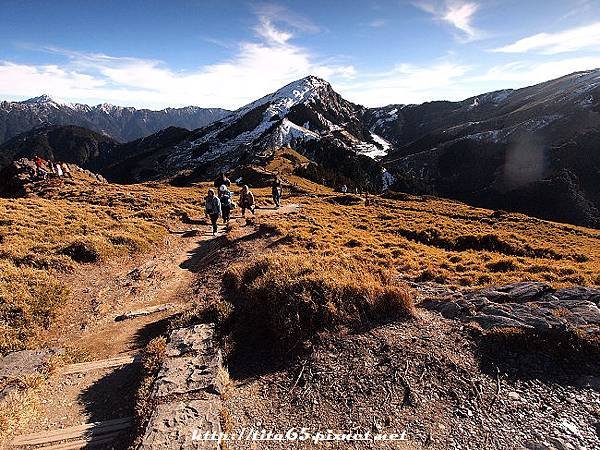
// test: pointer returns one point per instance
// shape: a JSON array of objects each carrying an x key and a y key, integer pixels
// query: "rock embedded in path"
[
  {"x": 26, "y": 362},
  {"x": 183, "y": 425},
  {"x": 186, "y": 393},
  {"x": 16, "y": 365},
  {"x": 192, "y": 365}
]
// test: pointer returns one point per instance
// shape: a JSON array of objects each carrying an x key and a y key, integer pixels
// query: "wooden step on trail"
[
  {"x": 143, "y": 312},
  {"x": 100, "y": 364},
  {"x": 78, "y": 436}
]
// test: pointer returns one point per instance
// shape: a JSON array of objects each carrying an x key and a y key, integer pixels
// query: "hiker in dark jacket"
[
  {"x": 246, "y": 200},
  {"x": 222, "y": 180},
  {"x": 226, "y": 198},
  {"x": 212, "y": 209},
  {"x": 276, "y": 190}
]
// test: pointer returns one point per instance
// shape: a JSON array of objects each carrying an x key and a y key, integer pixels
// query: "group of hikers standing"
[
  {"x": 219, "y": 202},
  {"x": 43, "y": 168}
]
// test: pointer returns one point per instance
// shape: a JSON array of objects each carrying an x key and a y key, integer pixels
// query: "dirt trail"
[{"x": 165, "y": 277}]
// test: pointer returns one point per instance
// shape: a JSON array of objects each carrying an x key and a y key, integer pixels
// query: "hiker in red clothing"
[{"x": 39, "y": 170}]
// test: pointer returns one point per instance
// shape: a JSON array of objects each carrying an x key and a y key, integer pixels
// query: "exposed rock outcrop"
[
  {"x": 528, "y": 306},
  {"x": 186, "y": 394},
  {"x": 20, "y": 179}
]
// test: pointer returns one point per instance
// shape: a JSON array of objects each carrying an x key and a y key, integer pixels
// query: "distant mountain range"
[
  {"x": 121, "y": 123},
  {"x": 535, "y": 150}
]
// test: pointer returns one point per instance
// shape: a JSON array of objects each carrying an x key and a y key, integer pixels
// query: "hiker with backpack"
[
  {"x": 276, "y": 190},
  {"x": 222, "y": 180},
  {"x": 212, "y": 208},
  {"x": 226, "y": 198},
  {"x": 246, "y": 200}
]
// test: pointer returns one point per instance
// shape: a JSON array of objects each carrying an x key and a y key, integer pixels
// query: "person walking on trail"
[
  {"x": 59, "y": 170},
  {"x": 246, "y": 200},
  {"x": 67, "y": 170},
  {"x": 276, "y": 190},
  {"x": 212, "y": 209},
  {"x": 222, "y": 180},
  {"x": 225, "y": 196}
]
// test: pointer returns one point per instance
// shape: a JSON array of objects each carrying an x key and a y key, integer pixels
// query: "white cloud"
[
  {"x": 255, "y": 69},
  {"x": 408, "y": 83},
  {"x": 271, "y": 34},
  {"x": 280, "y": 14},
  {"x": 458, "y": 13},
  {"x": 522, "y": 73},
  {"x": 570, "y": 40},
  {"x": 377, "y": 23}
]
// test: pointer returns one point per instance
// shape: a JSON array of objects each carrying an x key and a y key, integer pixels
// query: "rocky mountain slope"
[
  {"x": 307, "y": 115},
  {"x": 68, "y": 143},
  {"x": 534, "y": 150},
  {"x": 121, "y": 123}
]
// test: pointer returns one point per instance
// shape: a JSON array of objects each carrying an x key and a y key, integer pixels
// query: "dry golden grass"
[
  {"x": 429, "y": 239},
  {"x": 290, "y": 298},
  {"x": 20, "y": 406},
  {"x": 79, "y": 223}
]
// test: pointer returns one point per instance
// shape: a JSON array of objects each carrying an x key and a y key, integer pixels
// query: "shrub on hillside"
[{"x": 289, "y": 299}]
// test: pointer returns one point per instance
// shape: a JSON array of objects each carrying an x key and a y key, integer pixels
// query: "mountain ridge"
[
  {"x": 122, "y": 123},
  {"x": 534, "y": 150}
]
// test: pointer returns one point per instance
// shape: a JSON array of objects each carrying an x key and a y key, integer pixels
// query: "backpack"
[{"x": 226, "y": 199}]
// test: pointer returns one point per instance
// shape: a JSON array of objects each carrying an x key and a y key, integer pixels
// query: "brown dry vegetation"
[
  {"x": 79, "y": 224},
  {"x": 430, "y": 239},
  {"x": 73, "y": 228},
  {"x": 289, "y": 299}
]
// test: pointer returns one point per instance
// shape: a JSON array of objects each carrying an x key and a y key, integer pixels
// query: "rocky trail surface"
[
  {"x": 506, "y": 367},
  {"x": 116, "y": 311}
]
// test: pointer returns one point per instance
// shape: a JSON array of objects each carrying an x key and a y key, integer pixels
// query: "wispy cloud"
[
  {"x": 570, "y": 40},
  {"x": 377, "y": 23},
  {"x": 271, "y": 34},
  {"x": 256, "y": 68},
  {"x": 522, "y": 73},
  {"x": 277, "y": 13},
  {"x": 457, "y": 13},
  {"x": 407, "y": 83}
]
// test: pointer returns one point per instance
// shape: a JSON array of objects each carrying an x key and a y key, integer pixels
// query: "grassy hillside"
[
  {"x": 430, "y": 239},
  {"x": 78, "y": 225},
  {"x": 81, "y": 224}
]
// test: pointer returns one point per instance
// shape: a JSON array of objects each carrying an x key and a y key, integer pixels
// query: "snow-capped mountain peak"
[
  {"x": 44, "y": 99},
  {"x": 294, "y": 93}
]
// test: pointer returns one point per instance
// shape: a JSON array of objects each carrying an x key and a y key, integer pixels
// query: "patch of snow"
[
  {"x": 385, "y": 145},
  {"x": 502, "y": 95},
  {"x": 284, "y": 99},
  {"x": 588, "y": 101},
  {"x": 541, "y": 122},
  {"x": 485, "y": 136},
  {"x": 289, "y": 131},
  {"x": 370, "y": 150},
  {"x": 387, "y": 179}
]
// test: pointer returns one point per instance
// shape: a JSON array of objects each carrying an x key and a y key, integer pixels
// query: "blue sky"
[{"x": 151, "y": 53}]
